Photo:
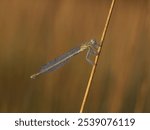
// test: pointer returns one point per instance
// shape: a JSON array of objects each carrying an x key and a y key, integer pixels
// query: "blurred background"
[{"x": 35, "y": 32}]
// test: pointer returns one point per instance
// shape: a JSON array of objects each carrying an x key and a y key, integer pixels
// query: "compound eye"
[{"x": 93, "y": 41}]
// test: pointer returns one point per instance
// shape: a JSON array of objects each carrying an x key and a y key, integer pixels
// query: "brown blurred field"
[{"x": 35, "y": 32}]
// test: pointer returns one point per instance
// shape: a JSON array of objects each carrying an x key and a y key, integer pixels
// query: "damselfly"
[{"x": 92, "y": 47}]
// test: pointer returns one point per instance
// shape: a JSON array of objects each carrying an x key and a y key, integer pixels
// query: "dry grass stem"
[{"x": 97, "y": 57}]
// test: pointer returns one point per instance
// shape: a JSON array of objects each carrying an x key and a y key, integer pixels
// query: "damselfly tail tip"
[{"x": 34, "y": 76}]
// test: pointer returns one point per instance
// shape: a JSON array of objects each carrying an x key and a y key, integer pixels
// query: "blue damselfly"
[{"x": 60, "y": 61}]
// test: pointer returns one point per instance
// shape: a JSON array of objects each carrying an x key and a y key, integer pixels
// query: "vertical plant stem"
[{"x": 97, "y": 57}]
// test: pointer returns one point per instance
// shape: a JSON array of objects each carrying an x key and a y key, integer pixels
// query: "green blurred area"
[{"x": 35, "y": 32}]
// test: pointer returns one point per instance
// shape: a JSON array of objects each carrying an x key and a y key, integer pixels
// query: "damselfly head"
[{"x": 93, "y": 42}]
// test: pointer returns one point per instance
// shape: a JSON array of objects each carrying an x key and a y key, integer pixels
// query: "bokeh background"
[{"x": 33, "y": 32}]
